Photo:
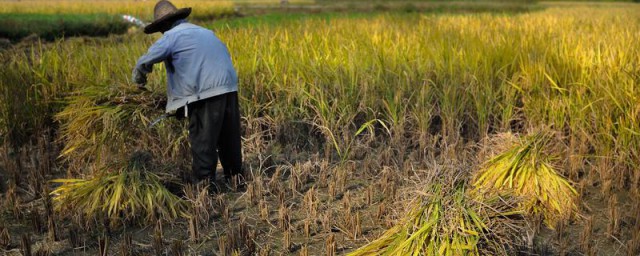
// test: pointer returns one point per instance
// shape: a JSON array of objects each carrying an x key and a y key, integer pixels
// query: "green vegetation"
[
  {"x": 357, "y": 7},
  {"x": 54, "y": 19},
  {"x": 68, "y": 18},
  {"x": 51, "y": 26}
]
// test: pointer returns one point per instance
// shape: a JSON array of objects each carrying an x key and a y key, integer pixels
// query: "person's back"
[{"x": 198, "y": 67}]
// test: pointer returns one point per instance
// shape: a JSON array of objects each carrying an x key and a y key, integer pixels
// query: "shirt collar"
[{"x": 178, "y": 22}]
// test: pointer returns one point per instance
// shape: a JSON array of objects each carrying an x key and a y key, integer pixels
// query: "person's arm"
[{"x": 158, "y": 52}]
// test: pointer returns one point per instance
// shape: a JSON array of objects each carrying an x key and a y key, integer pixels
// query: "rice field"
[
  {"x": 140, "y": 9},
  {"x": 363, "y": 133}
]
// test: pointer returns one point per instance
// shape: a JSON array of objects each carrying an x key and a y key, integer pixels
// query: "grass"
[
  {"x": 278, "y": 19},
  {"x": 355, "y": 8},
  {"x": 52, "y": 26}
]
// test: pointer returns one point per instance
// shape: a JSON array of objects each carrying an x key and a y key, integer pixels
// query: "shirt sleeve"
[{"x": 158, "y": 52}]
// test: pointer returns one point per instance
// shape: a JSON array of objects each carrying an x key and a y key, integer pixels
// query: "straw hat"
[{"x": 164, "y": 14}]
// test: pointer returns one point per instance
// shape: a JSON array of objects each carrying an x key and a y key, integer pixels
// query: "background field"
[{"x": 347, "y": 117}]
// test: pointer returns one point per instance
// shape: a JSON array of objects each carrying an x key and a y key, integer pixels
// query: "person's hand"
[
  {"x": 142, "y": 88},
  {"x": 139, "y": 78}
]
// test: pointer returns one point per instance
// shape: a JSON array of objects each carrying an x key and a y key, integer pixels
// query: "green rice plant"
[
  {"x": 525, "y": 171},
  {"x": 444, "y": 224},
  {"x": 28, "y": 95},
  {"x": 121, "y": 191}
]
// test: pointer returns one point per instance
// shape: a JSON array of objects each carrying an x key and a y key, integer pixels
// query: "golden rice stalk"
[
  {"x": 105, "y": 122},
  {"x": 439, "y": 225},
  {"x": 131, "y": 192},
  {"x": 525, "y": 171}
]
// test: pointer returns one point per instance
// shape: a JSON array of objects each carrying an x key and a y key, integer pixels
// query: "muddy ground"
[{"x": 297, "y": 203}]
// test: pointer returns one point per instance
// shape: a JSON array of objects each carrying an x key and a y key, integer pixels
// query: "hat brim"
[{"x": 158, "y": 24}]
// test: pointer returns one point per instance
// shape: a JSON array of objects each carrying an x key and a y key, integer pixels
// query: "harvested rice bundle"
[
  {"x": 125, "y": 190},
  {"x": 103, "y": 123},
  {"x": 451, "y": 224},
  {"x": 525, "y": 171}
]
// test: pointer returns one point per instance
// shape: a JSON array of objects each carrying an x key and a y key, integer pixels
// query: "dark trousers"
[{"x": 214, "y": 130}]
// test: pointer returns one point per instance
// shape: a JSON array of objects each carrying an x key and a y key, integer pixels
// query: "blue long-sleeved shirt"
[{"x": 198, "y": 64}]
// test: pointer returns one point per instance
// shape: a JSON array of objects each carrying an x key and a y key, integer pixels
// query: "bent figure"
[{"x": 202, "y": 86}]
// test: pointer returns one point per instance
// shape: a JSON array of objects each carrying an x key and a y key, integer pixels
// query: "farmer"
[{"x": 202, "y": 85}]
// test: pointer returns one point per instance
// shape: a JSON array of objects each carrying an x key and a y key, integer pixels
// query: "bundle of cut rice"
[
  {"x": 104, "y": 123},
  {"x": 124, "y": 191},
  {"x": 447, "y": 224},
  {"x": 525, "y": 171}
]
